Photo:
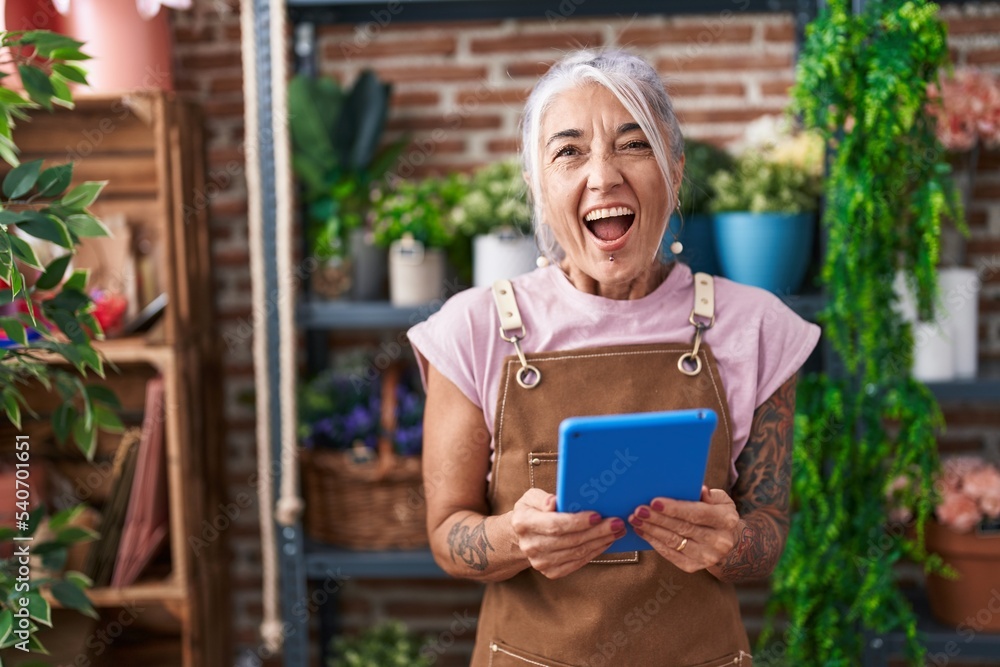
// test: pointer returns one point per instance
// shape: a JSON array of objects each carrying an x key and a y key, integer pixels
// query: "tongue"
[{"x": 609, "y": 229}]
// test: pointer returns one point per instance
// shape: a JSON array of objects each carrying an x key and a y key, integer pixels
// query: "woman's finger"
[{"x": 563, "y": 562}]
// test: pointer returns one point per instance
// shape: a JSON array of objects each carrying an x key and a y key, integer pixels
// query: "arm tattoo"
[
  {"x": 763, "y": 488},
  {"x": 470, "y": 544}
]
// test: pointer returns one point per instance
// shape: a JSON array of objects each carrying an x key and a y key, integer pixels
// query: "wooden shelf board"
[
  {"x": 147, "y": 593},
  {"x": 122, "y": 351}
]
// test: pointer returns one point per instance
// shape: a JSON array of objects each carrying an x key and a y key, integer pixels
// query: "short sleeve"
[
  {"x": 786, "y": 341},
  {"x": 447, "y": 340}
]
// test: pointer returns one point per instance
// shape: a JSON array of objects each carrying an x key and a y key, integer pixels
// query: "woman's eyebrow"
[
  {"x": 565, "y": 134},
  {"x": 625, "y": 128}
]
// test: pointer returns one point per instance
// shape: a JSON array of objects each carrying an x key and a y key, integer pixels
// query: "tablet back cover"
[{"x": 611, "y": 464}]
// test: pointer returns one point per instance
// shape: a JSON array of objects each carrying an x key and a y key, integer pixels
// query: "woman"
[{"x": 609, "y": 329}]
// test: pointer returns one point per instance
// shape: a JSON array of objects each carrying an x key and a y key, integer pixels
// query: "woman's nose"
[{"x": 603, "y": 174}]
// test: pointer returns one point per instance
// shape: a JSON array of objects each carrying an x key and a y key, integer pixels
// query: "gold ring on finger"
[{"x": 684, "y": 543}]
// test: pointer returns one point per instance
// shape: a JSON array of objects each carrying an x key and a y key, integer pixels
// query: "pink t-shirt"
[{"x": 757, "y": 340}]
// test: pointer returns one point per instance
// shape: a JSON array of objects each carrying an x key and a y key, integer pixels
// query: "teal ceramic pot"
[
  {"x": 767, "y": 250},
  {"x": 698, "y": 238}
]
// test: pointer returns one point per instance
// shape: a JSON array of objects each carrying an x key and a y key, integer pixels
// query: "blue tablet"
[{"x": 611, "y": 464}]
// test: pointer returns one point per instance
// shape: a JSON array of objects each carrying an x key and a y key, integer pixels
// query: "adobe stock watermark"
[
  {"x": 968, "y": 630},
  {"x": 633, "y": 622},
  {"x": 593, "y": 488},
  {"x": 100, "y": 640},
  {"x": 299, "y": 613},
  {"x": 367, "y": 32},
  {"x": 462, "y": 624}
]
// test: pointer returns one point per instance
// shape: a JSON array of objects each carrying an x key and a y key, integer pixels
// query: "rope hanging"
[{"x": 288, "y": 505}]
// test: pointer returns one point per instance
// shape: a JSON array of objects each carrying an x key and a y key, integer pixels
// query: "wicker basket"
[{"x": 366, "y": 502}]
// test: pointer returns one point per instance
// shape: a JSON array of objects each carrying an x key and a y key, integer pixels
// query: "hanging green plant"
[{"x": 862, "y": 82}]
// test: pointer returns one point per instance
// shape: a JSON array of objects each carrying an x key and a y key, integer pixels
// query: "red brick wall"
[{"x": 468, "y": 80}]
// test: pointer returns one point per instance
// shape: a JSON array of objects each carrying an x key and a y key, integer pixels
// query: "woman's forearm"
[
  {"x": 760, "y": 539},
  {"x": 473, "y": 546}
]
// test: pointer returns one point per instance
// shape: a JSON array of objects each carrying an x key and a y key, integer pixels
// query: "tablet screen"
[{"x": 611, "y": 464}]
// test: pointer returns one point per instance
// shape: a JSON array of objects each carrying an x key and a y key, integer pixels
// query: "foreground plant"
[
  {"x": 862, "y": 81},
  {"x": 47, "y": 324}
]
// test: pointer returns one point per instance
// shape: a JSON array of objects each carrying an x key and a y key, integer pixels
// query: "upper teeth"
[{"x": 599, "y": 213}]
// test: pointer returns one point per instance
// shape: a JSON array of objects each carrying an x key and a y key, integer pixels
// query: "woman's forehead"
[{"x": 583, "y": 106}]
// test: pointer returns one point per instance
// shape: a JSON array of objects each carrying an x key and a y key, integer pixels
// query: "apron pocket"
[
  {"x": 738, "y": 659},
  {"x": 502, "y": 655},
  {"x": 542, "y": 468}
]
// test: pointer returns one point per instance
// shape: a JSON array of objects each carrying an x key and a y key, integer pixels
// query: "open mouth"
[{"x": 610, "y": 224}]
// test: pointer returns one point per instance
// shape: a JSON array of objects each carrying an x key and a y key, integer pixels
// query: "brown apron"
[{"x": 631, "y": 609}]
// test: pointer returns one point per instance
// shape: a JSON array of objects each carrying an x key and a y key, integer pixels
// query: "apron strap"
[
  {"x": 702, "y": 317},
  {"x": 528, "y": 376}
]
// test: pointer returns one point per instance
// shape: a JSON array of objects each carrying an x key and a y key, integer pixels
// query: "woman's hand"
[
  {"x": 559, "y": 543},
  {"x": 691, "y": 535}
]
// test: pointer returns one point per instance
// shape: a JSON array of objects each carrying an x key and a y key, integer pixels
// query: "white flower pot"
[
  {"x": 504, "y": 253},
  {"x": 960, "y": 308},
  {"x": 416, "y": 273},
  {"x": 947, "y": 348}
]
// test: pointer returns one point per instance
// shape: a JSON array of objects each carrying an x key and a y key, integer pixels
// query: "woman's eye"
[
  {"x": 566, "y": 150},
  {"x": 637, "y": 144}
]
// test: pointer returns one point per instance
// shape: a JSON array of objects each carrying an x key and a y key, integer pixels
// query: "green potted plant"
[
  {"x": 412, "y": 219},
  {"x": 336, "y": 154},
  {"x": 46, "y": 316},
  {"x": 693, "y": 223},
  {"x": 388, "y": 643},
  {"x": 494, "y": 213},
  {"x": 862, "y": 82},
  {"x": 765, "y": 206}
]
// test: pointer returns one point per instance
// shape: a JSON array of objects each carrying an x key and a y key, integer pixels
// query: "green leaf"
[
  {"x": 24, "y": 252},
  {"x": 85, "y": 436},
  {"x": 35, "y": 645},
  {"x": 12, "y": 408},
  {"x": 62, "y": 93},
  {"x": 37, "y": 85},
  {"x": 6, "y": 626},
  {"x": 10, "y": 97},
  {"x": 54, "y": 273},
  {"x": 53, "y": 181},
  {"x": 54, "y": 560},
  {"x": 71, "y": 72},
  {"x": 72, "y": 597},
  {"x": 62, "y": 518},
  {"x": 35, "y": 519},
  {"x": 87, "y": 226},
  {"x": 108, "y": 420},
  {"x": 74, "y": 534},
  {"x": 83, "y": 195},
  {"x": 21, "y": 179},
  {"x": 62, "y": 420},
  {"x": 14, "y": 330},
  {"x": 45, "y": 227},
  {"x": 78, "y": 579},
  {"x": 69, "y": 54},
  {"x": 99, "y": 393},
  {"x": 78, "y": 282},
  {"x": 39, "y": 609},
  {"x": 48, "y": 42},
  {"x": 91, "y": 359}
]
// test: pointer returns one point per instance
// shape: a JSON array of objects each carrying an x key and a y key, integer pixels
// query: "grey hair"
[{"x": 640, "y": 90}]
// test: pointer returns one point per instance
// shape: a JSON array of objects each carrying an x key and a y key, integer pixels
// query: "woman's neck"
[{"x": 642, "y": 285}]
